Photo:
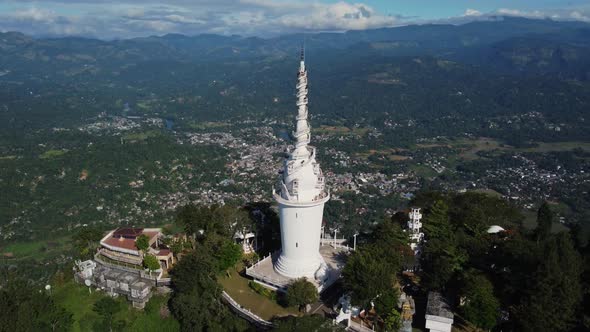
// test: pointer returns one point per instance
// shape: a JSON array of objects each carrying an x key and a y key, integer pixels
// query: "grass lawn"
[
  {"x": 237, "y": 287},
  {"x": 36, "y": 249},
  {"x": 23, "y": 249},
  {"x": 390, "y": 153},
  {"x": 423, "y": 171},
  {"x": 11, "y": 157},
  {"x": 207, "y": 125},
  {"x": 52, "y": 154},
  {"x": 333, "y": 130},
  {"x": 77, "y": 300},
  {"x": 150, "y": 318},
  {"x": 470, "y": 148}
]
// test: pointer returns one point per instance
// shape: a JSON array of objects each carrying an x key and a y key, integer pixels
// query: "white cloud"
[
  {"x": 35, "y": 14},
  {"x": 246, "y": 17},
  {"x": 472, "y": 12},
  {"x": 516, "y": 12},
  {"x": 132, "y": 18},
  {"x": 580, "y": 14},
  {"x": 338, "y": 16}
]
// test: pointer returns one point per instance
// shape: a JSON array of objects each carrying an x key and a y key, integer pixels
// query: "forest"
[{"x": 478, "y": 124}]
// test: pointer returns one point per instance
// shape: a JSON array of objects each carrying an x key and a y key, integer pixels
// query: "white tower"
[
  {"x": 414, "y": 225},
  {"x": 301, "y": 196}
]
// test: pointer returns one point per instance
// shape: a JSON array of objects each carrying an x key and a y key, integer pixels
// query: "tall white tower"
[
  {"x": 414, "y": 225},
  {"x": 301, "y": 196}
]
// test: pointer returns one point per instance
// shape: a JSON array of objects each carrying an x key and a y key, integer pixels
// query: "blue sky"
[
  {"x": 432, "y": 9},
  {"x": 132, "y": 18}
]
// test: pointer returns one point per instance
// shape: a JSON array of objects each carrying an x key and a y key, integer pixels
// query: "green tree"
[
  {"x": 196, "y": 301},
  {"x": 367, "y": 275},
  {"x": 481, "y": 306},
  {"x": 315, "y": 323},
  {"x": 544, "y": 221},
  {"x": 107, "y": 308},
  {"x": 554, "y": 292},
  {"x": 386, "y": 302},
  {"x": 24, "y": 308},
  {"x": 221, "y": 220},
  {"x": 151, "y": 262},
  {"x": 301, "y": 293},
  {"x": 229, "y": 254},
  {"x": 441, "y": 260},
  {"x": 393, "y": 321},
  {"x": 142, "y": 242},
  {"x": 86, "y": 240},
  {"x": 473, "y": 213},
  {"x": 441, "y": 257},
  {"x": 437, "y": 224},
  {"x": 177, "y": 247}
]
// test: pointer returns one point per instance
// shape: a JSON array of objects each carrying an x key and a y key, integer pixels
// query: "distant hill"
[
  {"x": 493, "y": 37},
  {"x": 501, "y": 67}
]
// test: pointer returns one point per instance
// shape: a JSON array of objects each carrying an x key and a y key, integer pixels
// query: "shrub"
[{"x": 258, "y": 288}]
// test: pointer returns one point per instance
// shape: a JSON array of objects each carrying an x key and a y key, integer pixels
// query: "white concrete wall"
[
  {"x": 437, "y": 326},
  {"x": 300, "y": 237}
]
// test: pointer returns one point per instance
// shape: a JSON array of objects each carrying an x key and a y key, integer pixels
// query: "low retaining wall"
[{"x": 247, "y": 314}]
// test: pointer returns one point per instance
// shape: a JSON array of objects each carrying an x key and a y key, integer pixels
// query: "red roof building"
[{"x": 119, "y": 246}]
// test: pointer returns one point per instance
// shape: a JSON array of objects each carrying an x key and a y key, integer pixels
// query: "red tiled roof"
[
  {"x": 163, "y": 252},
  {"x": 127, "y": 232},
  {"x": 126, "y": 243}
]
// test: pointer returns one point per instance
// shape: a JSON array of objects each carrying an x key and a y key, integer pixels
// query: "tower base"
[
  {"x": 264, "y": 271},
  {"x": 312, "y": 268}
]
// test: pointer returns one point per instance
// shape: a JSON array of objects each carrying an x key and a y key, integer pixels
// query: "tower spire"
[
  {"x": 302, "y": 133},
  {"x": 301, "y": 195}
]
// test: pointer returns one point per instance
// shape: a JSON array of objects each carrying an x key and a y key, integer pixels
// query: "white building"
[
  {"x": 301, "y": 196},
  {"x": 439, "y": 316},
  {"x": 414, "y": 227}
]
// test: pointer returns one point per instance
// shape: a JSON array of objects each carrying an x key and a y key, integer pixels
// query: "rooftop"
[
  {"x": 124, "y": 238},
  {"x": 130, "y": 233},
  {"x": 438, "y": 306}
]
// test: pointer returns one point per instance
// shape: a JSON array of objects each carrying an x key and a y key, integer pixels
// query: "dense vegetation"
[
  {"x": 489, "y": 277},
  {"x": 67, "y": 172},
  {"x": 493, "y": 271}
]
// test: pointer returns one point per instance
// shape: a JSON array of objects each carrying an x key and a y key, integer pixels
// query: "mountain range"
[{"x": 506, "y": 43}]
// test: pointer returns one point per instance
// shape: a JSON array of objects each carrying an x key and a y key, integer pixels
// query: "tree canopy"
[
  {"x": 24, "y": 307},
  {"x": 301, "y": 292},
  {"x": 142, "y": 242},
  {"x": 553, "y": 296},
  {"x": 86, "y": 240},
  {"x": 315, "y": 323},
  {"x": 544, "y": 221},
  {"x": 151, "y": 262},
  {"x": 107, "y": 307},
  {"x": 481, "y": 307}
]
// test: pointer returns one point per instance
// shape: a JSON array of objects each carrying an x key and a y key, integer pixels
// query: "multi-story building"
[{"x": 119, "y": 247}]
